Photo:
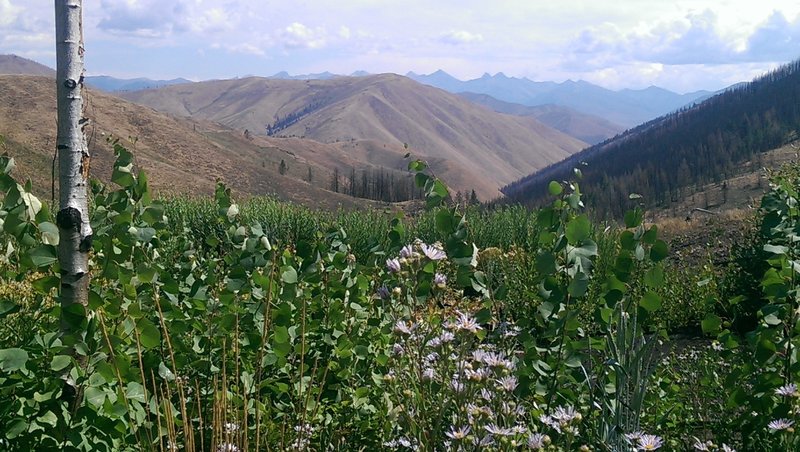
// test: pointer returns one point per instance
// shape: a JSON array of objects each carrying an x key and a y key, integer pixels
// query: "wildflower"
[
  {"x": 780, "y": 424},
  {"x": 433, "y": 252},
  {"x": 440, "y": 280},
  {"x": 428, "y": 374},
  {"x": 230, "y": 427},
  {"x": 496, "y": 430},
  {"x": 446, "y": 337},
  {"x": 457, "y": 386},
  {"x": 566, "y": 415},
  {"x": 486, "y": 394},
  {"x": 716, "y": 346},
  {"x": 538, "y": 441},
  {"x": 390, "y": 377},
  {"x": 227, "y": 447},
  {"x": 650, "y": 442},
  {"x": 634, "y": 436},
  {"x": 476, "y": 375},
  {"x": 550, "y": 422},
  {"x": 383, "y": 292},
  {"x": 402, "y": 328},
  {"x": 727, "y": 448},
  {"x": 407, "y": 252},
  {"x": 431, "y": 358},
  {"x": 436, "y": 342},
  {"x": 459, "y": 433},
  {"x": 398, "y": 350},
  {"x": 467, "y": 323},
  {"x": 703, "y": 445},
  {"x": 508, "y": 383},
  {"x": 393, "y": 265},
  {"x": 789, "y": 390},
  {"x": 519, "y": 429}
]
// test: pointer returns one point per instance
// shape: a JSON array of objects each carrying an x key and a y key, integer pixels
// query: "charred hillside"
[{"x": 669, "y": 157}]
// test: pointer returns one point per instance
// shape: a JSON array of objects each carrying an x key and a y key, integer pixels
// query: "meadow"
[{"x": 213, "y": 325}]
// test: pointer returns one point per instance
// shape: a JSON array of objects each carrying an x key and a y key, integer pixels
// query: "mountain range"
[
  {"x": 471, "y": 147},
  {"x": 627, "y": 107}
]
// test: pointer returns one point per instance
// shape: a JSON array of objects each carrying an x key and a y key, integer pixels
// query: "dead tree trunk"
[{"x": 75, "y": 233}]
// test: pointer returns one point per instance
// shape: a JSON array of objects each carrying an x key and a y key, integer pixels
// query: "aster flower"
[
  {"x": 780, "y": 424},
  {"x": 789, "y": 390},
  {"x": 633, "y": 437},
  {"x": 383, "y": 292},
  {"x": 466, "y": 322},
  {"x": 537, "y": 441},
  {"x": 476, "y": 375},
  {"x": 550, "y": 422},
  {"x": 446, "y": 337},
  {"x": 458, "y": 433},
  {"x": 457, "y": 386},
  {"x": 428, "y": 374},
  {"x": 393, "y": 265},
  {"x": 398, "y": 350},
  {"x": 407, "y": 251},
  {"x": 433, "y": 252},
  {"x": 440, "y": 280},
  {"x": 702, "y": 445},
  {"x": 496, "y": 430},
  {"x": 650, "y": 442},
  {"x": 727, "y": 448},
  {"x": 566, "y": 415},
  {"x": 508, "y": 383},
  {"x": 402, "y": 327},
  {"x": 436, "y": 342}
]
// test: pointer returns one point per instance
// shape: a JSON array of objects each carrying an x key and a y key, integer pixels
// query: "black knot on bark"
[
  {"x": 68, "y": 218},
  {"x": 71, "y": 84}
]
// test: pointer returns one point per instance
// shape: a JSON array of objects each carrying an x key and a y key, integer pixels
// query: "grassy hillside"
[
  {"x": 475, "y": 148},
  {"x": 180, "y": 155},
  {"x": 16, "y": 65},
  {"x": 668, "y": 159},
  {"x": 589, "y": 128}
]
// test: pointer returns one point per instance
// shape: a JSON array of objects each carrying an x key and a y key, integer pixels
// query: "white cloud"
[
  {"x": 298, "y": 36},
  {"x": 8, "y": 13},
  {"x": 460, "y": 37},
  {"x": 144, "y": 18}
]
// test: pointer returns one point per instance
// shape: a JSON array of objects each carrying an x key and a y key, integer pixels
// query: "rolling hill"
[
  {"x": 16, "y": 65},
  {"x": 470, "y": 147},
  {"x": 588, "y": 128},
  {"x": 112, "y": 84},
  {"x": 179, "y": 155},
  {"x": 668, "y": 159}
]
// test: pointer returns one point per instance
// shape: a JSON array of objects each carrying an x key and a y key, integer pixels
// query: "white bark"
[{"x": 73, "y": 157}]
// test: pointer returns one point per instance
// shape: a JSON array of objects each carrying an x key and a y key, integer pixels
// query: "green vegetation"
[{"x": 265, "y": 326}]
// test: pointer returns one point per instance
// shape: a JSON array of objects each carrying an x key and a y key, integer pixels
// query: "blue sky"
[{"x": 679, "y": 45}]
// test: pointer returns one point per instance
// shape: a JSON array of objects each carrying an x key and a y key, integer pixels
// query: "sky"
[{"x": 679, "y": 45}]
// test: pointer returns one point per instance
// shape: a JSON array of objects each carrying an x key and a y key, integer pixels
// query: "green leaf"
[
  {"x": 659, "y": 251},
  {"x": 654, "y": 277},
  {"x": 579, "y": 284},
  {"x": 60, "y": 362},
  {"x": 95, "y": 396},
  {"x": 633, "y": 218},
  {"x": 554, "y": 188},
  {"x": 8, "y": 307},
  {"x": 164, "y": 372},
  {"x": 12, "y": 359},
  {"x": 289, "y": 275},
  {"x": 578, "y": 229},
  {"x": 49, "y": 233},
  {"x": 281, "y": 335},
  {"x": 417, "y": 165},
  {"x": 776, "y": 249},
  {"x": 650, "y": 301},
  {"x": 711, "y": 324},
  {"x": 41, "y": 256},
  {"x": 149, "y": 335}
]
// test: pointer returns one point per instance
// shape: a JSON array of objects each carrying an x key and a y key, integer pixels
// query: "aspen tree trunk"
[{"x": 75, "y": 233}]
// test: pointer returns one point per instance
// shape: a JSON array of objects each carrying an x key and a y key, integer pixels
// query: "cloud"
[
  {"x": 695, "y": 39},
  {"x": 298, "y": 36},
  {"x": 8, "y": 13},
  {"x": 460, "y": 37},
  {"x": 144, "y": 18},
  {"x": 776, "y": 39}
]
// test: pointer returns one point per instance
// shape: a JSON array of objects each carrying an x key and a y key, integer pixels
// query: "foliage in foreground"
[{"x": 231, "y": 339}]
